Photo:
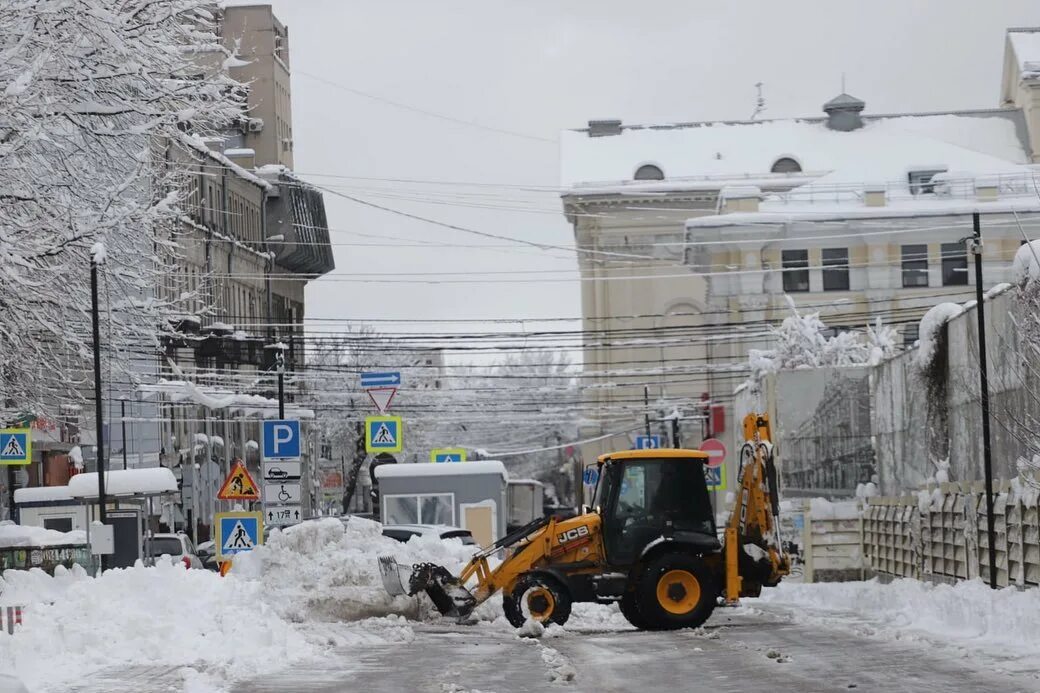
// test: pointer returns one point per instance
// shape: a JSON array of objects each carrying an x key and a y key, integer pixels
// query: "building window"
[
  {"x": 796, "y": 270},
  {"x": 835, "y": 269},
  {"x": 911, "y": 333},
  {"x": 786, "y": 164},
  {"x": 921, "y": 181},
  {"x": 649, "y": 172},
  {"x": 915, "y": 265},
  {"x": 423, "y": 509},
  {"x": 954, "y": 264}
]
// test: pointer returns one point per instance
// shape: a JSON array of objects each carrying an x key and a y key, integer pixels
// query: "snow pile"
[
  {"x": 823, "y": 509},
  {"x": 22, "y": 535},
  {"x": 931, "y": 324},
  {"x": 1026, "y": 265},
  {"x": 327, "y": 570},
  {"x": 968, "y": 613},
  {"x": 164, "y": 616}
]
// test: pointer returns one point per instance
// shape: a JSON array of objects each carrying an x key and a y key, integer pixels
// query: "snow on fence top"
[
  {"x": 399, "y": 471},
  {"x": 125, "y": 482},
  {"x": 881, "y": 150},
  {"x": 42, "y": 494}
]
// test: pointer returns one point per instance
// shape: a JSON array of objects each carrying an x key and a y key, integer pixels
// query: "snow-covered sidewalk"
[
  {"x": 309, "y": 589},
  {"x": 1001, "y": 624}
]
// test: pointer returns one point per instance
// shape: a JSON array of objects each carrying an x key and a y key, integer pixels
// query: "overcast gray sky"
[{"x": 539, "y": 66}]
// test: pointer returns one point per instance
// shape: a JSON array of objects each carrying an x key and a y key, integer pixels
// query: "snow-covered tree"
[
  {"x": 801, "y": 342},
  {"x": 94, "y": 93}
]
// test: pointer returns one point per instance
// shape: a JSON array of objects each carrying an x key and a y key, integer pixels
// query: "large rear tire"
[
  {"x": 676, "y": 591},
  {"x": 540, "y": 597}
]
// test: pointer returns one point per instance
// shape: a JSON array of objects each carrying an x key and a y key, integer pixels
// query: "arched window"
[
  {"x": 649, "y": 172},
  {"x": 786, "y": 164}
]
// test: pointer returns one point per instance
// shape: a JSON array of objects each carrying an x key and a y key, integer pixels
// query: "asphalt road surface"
[{"x": 738, "y": 651}]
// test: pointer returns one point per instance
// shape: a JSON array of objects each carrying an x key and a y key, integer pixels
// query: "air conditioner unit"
[{"x": 255, "y": 125}]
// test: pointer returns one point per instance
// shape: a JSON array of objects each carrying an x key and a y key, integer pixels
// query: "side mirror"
[{"x": 586, "y": 509}]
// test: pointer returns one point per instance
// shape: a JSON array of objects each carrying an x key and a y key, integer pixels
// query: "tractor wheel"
[
  {"x": 629, "y": 605},
  {"x": 676, "y": 591},
  {"x": 540, "y": 597}
]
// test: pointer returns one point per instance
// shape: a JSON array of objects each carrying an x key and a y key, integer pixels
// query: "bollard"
[{"x": 10, "y": 617}]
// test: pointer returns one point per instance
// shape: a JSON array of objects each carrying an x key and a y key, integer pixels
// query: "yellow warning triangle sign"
[{"x": 239, "y": 485}]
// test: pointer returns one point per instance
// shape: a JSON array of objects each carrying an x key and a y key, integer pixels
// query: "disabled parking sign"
[{"x": 238, "y": 532}]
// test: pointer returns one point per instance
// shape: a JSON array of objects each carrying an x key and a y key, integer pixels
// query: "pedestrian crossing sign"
[
  {"x": 238, "y": 532},
  {"x": 715, "y": 477},
  {"x": 383, "y": 434},
  {"x": 239, "y": 485},
  {"x": 15, "y": 446}
]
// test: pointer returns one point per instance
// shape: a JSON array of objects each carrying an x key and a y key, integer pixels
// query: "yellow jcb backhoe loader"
[{"x": 649, "y": 543}]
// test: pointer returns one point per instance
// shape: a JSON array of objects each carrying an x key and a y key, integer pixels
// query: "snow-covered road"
[{"x": 766, "y": 647}]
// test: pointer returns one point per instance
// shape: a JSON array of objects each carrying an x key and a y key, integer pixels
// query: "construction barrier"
[
  {"x": 940, "y": 534},
  {"x": 10, "y": 616}
]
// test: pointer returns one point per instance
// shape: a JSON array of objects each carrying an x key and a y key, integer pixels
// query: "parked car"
[
  {"x": 207, "y": 553},
  {"x": 177, "y": 546},
  {"x": 403, "y": 533}
]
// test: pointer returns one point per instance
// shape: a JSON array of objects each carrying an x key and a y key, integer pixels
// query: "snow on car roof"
[
  {"x": 125, "y": 482},
  {"x": 398, "y": 471}
]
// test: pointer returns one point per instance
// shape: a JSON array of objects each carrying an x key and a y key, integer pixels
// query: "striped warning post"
[{"x": 10, "y": 616}]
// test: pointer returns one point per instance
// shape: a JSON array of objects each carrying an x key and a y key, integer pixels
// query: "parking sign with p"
[{"x": 281, "y": 440}]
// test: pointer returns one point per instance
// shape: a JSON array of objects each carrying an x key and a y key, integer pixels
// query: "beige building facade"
[{"x": 683, "y": 231}]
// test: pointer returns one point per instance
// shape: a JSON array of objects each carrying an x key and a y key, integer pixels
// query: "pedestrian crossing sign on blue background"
[
  {"x": 448, "y": 455},
  {"x": 383, "y": 434},
  {"x": 238, "y": 532},
  {"x": 15, "y": 446},
  {"x": 715, "y": 477}
]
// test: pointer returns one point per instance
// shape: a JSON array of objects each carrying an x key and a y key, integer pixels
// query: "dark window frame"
[
  {"x": 649, "y": 172},
  {"x": 835, "y": 269},
  {"x": 954, "y": 257},
  {"x": 795, "y": 270},
  {"x": 914, "y": 265},
  {"x": 786, "y": 164}
]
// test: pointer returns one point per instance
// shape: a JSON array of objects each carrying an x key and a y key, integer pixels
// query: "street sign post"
[
  {"x": 383, "y": 434},
  {"x": 648, "y": 442},
  {"x": 281, "y": 440},
  {"x": 448, "y": 455},
  {"x": 381, "y": 397},
  {"x": 280, "y": 470},
  {"x": 282, "y": 515},
  {"x": 716, "y": 450},
  {"x": 237, "y": 532},
  {"x": 15, "y": 446},
  {"x": 239, "y": 485},
  {"x": 715, "y": 477},
  {"x": 382, "y": 379}
]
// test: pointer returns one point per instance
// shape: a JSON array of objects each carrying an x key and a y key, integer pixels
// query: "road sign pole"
[
  {"x": 646, "y": 410},
  {"x": 987, "y": 456},
  {"x": 676, "y": 443},
  {"x": 99, "y": 428},
  {"x": 281, "y": 385}
]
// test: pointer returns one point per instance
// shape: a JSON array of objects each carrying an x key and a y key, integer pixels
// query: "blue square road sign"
[
  {"x": 648, "y": 442},
  {"x": 281, "y": 440},
  {"x": 238, "y": 532}
]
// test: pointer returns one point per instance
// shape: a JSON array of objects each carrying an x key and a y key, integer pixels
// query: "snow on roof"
[
  {"x": 398, "y": 471},
  {"x": 196, "y": 143},
  {"x": 28, "y": 535},
  {"x": 124, "y": 482},
  {"x": 212, "y": 398},
  {"x": 527, "y": 482},
  {"x": 884, "y": 149},
  {"x": 42, "y": 494},
  {"x": 780, "y": 213},
  {"x": 1026, "y": 43}
]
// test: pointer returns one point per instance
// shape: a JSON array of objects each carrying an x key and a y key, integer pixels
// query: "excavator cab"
[{"x": 648, "y": 496}]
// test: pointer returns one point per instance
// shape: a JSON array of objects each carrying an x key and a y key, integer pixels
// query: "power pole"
[
  {"x": 676, "y": 442},
  {"x": 987, "y": 457},
  {"x": 99, "y": 429},
  {"x": 646, "y": 409},
  {"x": 122, "y": 417},
  {"x": 280, "y": 360}
]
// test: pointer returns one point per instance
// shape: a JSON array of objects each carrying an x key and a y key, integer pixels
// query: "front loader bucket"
[
  {"x": 391, "y": 574},
  {"x": 449, "y": 595}
]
